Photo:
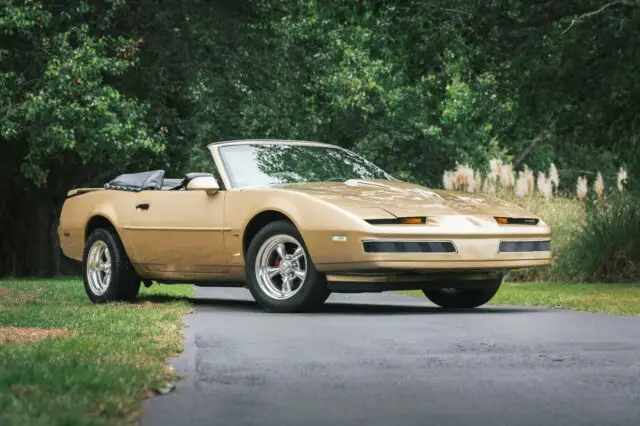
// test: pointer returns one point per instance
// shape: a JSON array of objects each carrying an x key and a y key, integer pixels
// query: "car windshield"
[{"x": 269, "y": 164}]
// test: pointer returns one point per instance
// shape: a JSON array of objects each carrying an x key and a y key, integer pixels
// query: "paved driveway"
[{"x": 387, "y": 359}]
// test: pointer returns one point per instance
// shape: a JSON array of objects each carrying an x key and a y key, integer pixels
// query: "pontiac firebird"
[{"x": 294, "y": 221}]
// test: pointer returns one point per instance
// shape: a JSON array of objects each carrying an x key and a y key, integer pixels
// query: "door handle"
[{"x": 143, "y": 206}]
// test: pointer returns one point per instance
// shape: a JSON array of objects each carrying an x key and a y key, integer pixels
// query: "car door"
[{"x": 178, "y": 233}]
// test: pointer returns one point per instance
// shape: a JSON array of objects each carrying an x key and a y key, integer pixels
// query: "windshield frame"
[{"x": 223, "y": 167}]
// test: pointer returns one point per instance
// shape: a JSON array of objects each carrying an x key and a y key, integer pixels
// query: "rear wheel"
[
  {"x": 107, "y": 272},
  {"x": 464, "y": 298},
  {"x": 280, "y": 273}
]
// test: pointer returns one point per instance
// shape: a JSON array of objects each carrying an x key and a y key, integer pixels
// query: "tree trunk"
[
  {"x": 29, "y": 244},
  {"x": 40, "y": 241}
]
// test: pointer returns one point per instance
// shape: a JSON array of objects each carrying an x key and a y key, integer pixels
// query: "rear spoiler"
[{"x": 80, "y": 191}]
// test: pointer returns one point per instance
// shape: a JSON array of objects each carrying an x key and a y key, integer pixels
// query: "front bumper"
[{"x": 474, "y": 251}]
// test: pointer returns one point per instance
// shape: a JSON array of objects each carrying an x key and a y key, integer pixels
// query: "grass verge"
[
  {"x": 617, "y": 299},
  {"x": 66, "y": 361}
]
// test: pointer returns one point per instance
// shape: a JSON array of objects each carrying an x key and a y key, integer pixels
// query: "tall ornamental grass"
[
  {"x": 606, "y": 245},
  {"x": 595, "y": 232},
  {"x": 564, "y": 216}
]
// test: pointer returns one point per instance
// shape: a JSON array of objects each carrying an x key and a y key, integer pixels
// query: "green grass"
[
  {"x": 617, "y": 299},
  {"x": 109, "y": 359}
]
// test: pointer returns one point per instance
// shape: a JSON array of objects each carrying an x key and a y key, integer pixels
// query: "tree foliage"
[{"x": 91, "y": 89}]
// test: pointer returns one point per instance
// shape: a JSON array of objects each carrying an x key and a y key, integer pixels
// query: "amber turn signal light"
[
  {"x": 412, "y": 220},
  {"x": 517, "y": 220}
]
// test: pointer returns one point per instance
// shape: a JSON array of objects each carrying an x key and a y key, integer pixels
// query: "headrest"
[{"x": 189, "y": 176}]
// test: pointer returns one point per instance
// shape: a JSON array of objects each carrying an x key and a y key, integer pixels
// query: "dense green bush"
[
  {"x": 93, "y": 88},
  {"x": 606, "y": 246},
  {"x": 592, "y": 241},
  {"x": 564, "y": 216}
]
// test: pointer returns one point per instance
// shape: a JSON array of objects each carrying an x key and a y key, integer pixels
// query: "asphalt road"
[{"x": 387, "y": 359}]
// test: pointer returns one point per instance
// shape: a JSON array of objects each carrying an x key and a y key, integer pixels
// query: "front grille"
[
  {"x": 524, "y": 246},
  {"x": 409, "y": 247}
]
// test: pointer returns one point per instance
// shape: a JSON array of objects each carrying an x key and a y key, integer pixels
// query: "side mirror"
[{"x": 209, "y": 184}]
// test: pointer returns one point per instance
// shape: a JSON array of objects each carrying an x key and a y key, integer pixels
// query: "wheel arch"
[
  {"x": 98, "y": 221},
  {"x": 259, "y": 221}
]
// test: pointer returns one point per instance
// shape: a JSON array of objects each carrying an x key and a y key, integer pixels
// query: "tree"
[
  {"x": 92, "y": 89},
  {"x": 63, "y": 123}
]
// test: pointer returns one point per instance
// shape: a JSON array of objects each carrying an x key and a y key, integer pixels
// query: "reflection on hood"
[{"x": 405, "y": 199}]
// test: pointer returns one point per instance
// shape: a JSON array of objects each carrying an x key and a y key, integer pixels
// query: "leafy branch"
[{"x": 584, "y": 16}]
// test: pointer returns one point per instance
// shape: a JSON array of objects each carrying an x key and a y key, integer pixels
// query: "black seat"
[
  {"x": 153, "y": 180},
  {"x": 171, "y": 184},
  {"x": 180, "y": 184}
]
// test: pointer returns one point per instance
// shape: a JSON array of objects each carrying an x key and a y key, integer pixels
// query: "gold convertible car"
[{"x": 294, "y": 221}]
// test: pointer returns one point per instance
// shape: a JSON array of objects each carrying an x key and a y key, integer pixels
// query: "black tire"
[
  {"x": 464, "y": 298},
  {"x": 124, "y": 283},
  {"x": 312, "y": 291}
]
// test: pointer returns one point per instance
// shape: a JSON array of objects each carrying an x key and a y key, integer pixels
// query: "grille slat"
[
  {"x": 409, "y": 247},
  {"x": 524, "y": 246}
]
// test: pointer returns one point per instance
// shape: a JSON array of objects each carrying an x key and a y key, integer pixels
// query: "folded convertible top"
[{"x": 137, "y": 181}]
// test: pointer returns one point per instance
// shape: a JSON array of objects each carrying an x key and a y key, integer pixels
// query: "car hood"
[{"x": 381, "y": 198}]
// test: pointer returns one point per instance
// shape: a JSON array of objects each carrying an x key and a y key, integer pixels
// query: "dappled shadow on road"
[{"x": 239, "y": 305}]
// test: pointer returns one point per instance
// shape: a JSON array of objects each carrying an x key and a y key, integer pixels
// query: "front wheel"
[
  {"x": 280, "y": 273},
  {"x": 464, "y": 298}
]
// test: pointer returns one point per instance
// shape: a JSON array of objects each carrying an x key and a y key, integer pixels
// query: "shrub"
[
  {"x": 593, "y": 238},
  {"x": 606, "y": 244},
  {"x": 563, "y": 215}
]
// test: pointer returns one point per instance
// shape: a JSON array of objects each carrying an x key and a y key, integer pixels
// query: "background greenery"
[{"x": 91, "y": 89}]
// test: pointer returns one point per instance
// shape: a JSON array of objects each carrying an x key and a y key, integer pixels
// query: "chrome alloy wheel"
[
  {"x": 99, "y": 268},
  {"x": 281, "y": 267}
]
